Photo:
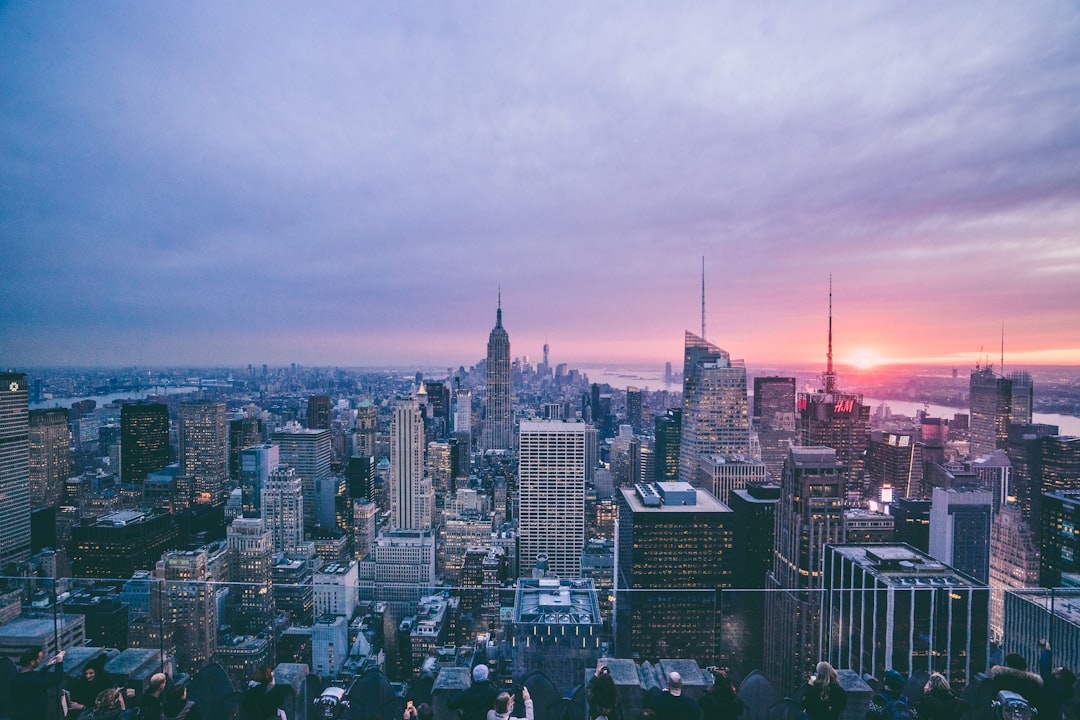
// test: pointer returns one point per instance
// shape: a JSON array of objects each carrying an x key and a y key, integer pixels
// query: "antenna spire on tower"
[
  {"x": 830, "y": 374},
  {"x": 1003, "y": 348},
  {"x": 702, "y": 297}
]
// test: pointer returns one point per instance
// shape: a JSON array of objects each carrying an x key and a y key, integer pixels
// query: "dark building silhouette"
[
  {"x": 773, "y": 396},
  {"x": 50, "y": 455},
  {"x": 144, "y": 440},
  {"x": 318, "y": 412},
  {"x": 809, "y": 515},
  {"x": 675, "y": 546},
  {"x": 890, "y": 465},
  {"x": 996, "y": 402},
  {"x": 634, "y": 408},
  {"x": 753, "y": 532},
  {"x": 119, "y": 543},
  {"x": 243, "y": 433},
  {"x": 498, "y": 419},
  {"x": 912, "y": 522}
]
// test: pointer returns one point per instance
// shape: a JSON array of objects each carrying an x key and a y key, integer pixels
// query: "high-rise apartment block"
[
  {"x": 144, "y": 440},
  {"x": 715, "y": 420},
  {"x": 14, "y": 469},
  {"x": 551, "y": 494},
  {"x": 411, "y": 497},
  {"x": 203, "y": 438},
  {"x": 498, "y": 417},
  {"x": 50, "y": 455},
  {"x": 674, "y": 555},
  {"x": 367, "y": 426}
]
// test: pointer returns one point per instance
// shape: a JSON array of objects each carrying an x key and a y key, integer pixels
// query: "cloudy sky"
[{"x": 351, "y": 184}]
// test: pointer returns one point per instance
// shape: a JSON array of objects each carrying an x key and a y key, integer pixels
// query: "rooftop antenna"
[
  {"x": 702, "y": 297},
  {"x": 1001, "y": 368},
  {"x": 498, "y": 311},
  {"x": 830, "y": 374}
]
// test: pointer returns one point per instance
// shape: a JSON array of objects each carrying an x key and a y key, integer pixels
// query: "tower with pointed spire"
[
  {"x": 498, "y": 426},
  {"x": 831, "y": 418}
]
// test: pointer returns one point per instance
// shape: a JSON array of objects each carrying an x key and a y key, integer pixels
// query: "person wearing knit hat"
[{"x": 474, "y": 702}]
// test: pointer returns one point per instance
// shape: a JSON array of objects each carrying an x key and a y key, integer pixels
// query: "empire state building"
[{"x": 497, "y": 420}]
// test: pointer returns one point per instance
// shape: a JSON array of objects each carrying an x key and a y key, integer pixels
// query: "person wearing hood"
[
  {"x": 1015, "y": 677},
  {"x": 504, "y": 705},
  {"x": 891, "y": 692},
  {"x": 938, "y": 701}
]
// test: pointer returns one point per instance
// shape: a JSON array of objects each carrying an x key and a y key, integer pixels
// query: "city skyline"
[{"x": 351, "y": 186}]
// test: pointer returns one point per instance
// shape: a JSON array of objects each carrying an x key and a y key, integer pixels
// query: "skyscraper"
[
  {"x": 715, "y": 420},
  {"x": 50, "y": 455},
  {"x": 674, "y": 555},
  {"x": 283, "y": 509},
  {"x": 551, "y": 494},
  {"x": 810, "y": 514},
  {"x": 634, "y": 408},
  {"x": 367, "y": 425},
  {"x": 774, "y": 396},
  {"x": 960, "y": 530},
  {"x": 243, "y": 433},
  {"x": 668, "y": 430},
  {"x": 838, "y": 420},
  {"x": 191, "y": 603},
  {"x": 309, "y": 453},
  {"x": 203, "y": 437},
  {"x": 411, "y": 498},
  {"x": 144, "y": 440},
  {"x": 991, "y": 403},
  {"x": 498, "y": 422},
  {"x": 318, "y": 412},
  {"x": 252, "y": 545},
  {"x": 14, "y": 469}
]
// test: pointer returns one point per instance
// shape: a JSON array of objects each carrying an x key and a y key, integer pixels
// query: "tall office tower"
[
  {"x": 498, "y": 421},
  {"x": 634, "y": 411},
  {"x": 668, "y": 428},
  {"x": 944, "y": 614},
  {"x": 144, "y": 440},
  {"x": 256, "y": 464},
  {"x": 252, "y": 546},
  {"x": 1059, "y": 463},
  {"x": 810, "y": 514},
  {"x": 191, "y": 604},
  {"x": 50, "y": 455},
  {"x": 204, "y": 455},
  {"x": 463, "y": 419},
  {"x": 440, "y": 469},
  {"x": 674, "y": 550},
  {"x": 367, "y": 427},
  {"x": 1025, "y": 454},
  {"x": 439, "y": 408},
  {"x": 308, "y": 452},
  {"x": 1060, "y": 543},
  {"x": 960, "y": 530},
  {"x": 361, "y": 475},
  {"x": 411, "y": 498},
  {"x": 283, "y": 509},
  {"x": 1014, "y": 561},
  {"x": 14, "y": 469},
  {"x": 992, "y": 398},
  {"x": 364, "y": 525},
  {"x": 889, "y": 466},
  {"x": 754, "y": 533},
  {"x": 715, "y": 420},
  {"x": 551, "y": 494},
  {"x": 243, "y": 433},
  {"x": 318, "y": 412},
  {"x": 774, "y": 402},
  {"x": 912, "y": 523},
  {"x": 721, "y": 474}
]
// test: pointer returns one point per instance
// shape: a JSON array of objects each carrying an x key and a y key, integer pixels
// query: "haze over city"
[{"x": 352, "y": 185}]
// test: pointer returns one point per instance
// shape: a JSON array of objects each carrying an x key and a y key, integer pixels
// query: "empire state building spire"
[{"x": 498, "y": 426}]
